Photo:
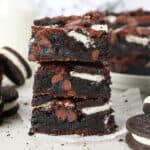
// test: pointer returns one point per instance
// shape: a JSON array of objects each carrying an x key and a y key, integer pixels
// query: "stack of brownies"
[{"x": 71, "y": 92}]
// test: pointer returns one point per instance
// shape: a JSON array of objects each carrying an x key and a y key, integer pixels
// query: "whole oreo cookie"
[
  {"x": 9, "y": 98},
  {"x": 138, "y": 137},
  {"x": 146, "y": 105},
  {"x": 14, "y": 66}
]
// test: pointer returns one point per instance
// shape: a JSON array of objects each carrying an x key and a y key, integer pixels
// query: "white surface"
[
  {"x": 13, "y": 133},
  {"x": 125, "y": 81}
]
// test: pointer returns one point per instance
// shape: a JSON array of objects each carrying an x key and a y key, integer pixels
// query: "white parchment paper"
[{"x": 126, "y": 104}]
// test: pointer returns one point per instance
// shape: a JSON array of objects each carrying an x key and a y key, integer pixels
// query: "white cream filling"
[
  {"x": 87, "y": 110},
  {"x": 32, "y": 40},
  {"x": 10, "y": 105},
  {"x": 99, "y": 27},
  {"x": 139, "y": 40},
  {"x": 92, "y": 110},
  {"x": 51, "y": 26},
  {"x": 15, "y": 61},
  {"x": 80, "y": 37},
  {"x": 147, "y": 100},
  {"x": 111, "y": 18},
  {"x": 141, "y": 140},
  {"x": 48, "y": 104},
  {"x": 87, "y": 76}
]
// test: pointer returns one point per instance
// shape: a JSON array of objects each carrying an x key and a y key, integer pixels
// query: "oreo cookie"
[
  {"x": 138, "y": 137},
  {"x": 14, "y": 66},
  {"x": 146, "y": 105},
  {"x": 9, "y": 98},
  {"x": 1, "y": 109}
]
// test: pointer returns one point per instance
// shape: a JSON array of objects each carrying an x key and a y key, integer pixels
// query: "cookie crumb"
[
  {"x": 126, "y": 101},
  {"x": 120, "y": 140},
  {"x": 25, "y": 103},
  {"x": 8, "y": 134}
]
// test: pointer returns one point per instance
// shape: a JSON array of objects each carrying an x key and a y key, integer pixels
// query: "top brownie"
[
  {"x": 137, "y": 17},
  {"x": 73, "y": 38}
]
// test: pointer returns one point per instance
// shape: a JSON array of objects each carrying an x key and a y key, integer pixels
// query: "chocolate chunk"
[
  {"x": 45, "y": 43},
  {"x": 95, "y": 55},
  {"x": 61, "y": 113},
  {"x": 72, "y": 116},
  {"x": 56, "y": 78},
  {"x": 67, "y": 85}
]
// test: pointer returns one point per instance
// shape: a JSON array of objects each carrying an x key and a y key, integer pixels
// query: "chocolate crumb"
[
  {"x": 95, "y": 55},
  {"x": 8, "y": 134},
  {"x": 120, "y": 140},
  {"x": 25, "y": 103},
  {"x": 126, "y": 101},
  {"x": 30, "y": 133}
]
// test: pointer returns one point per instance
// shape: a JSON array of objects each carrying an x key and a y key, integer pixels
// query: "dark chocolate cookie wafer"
[
  {"x": 138, "y": 137},
  {"x": 146, "y": 105},
  {"x": 14, "y": 66},
  {"x": 1, "y": 109},
  {"x": 9, "y": 96}
]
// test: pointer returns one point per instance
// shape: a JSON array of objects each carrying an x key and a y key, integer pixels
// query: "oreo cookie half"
[
  {"x": 9, "y": 97},
  {"x": 14, "y": 66},
  {"x": 138, "y": 137},
  {"x": 146, "y": 105},
  {"x": 1, "y": 109}
]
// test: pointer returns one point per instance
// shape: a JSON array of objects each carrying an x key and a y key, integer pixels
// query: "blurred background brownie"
[
  {"x": 130, "y": 48},
  {"x": 130, "y": 42}
]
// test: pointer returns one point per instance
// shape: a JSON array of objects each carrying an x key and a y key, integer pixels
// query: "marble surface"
[{"x": 14, "y": 130}]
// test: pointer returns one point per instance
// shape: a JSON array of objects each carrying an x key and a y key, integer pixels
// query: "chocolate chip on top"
[{"x": 45, "y": 43}]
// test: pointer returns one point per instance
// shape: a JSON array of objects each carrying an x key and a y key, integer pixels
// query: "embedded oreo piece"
[
  {"x": 146, "y": 105},
  {"x": 9, "y": 96},
  {"x": 138, "y": 137},
  {"x": 14, "y": 66}
]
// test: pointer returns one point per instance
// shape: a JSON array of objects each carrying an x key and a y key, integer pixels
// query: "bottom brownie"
[{"x": 62, "y": 121}]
